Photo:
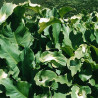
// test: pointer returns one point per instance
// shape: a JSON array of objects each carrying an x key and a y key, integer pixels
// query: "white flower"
[
  {"x": 96, "y": 26},
  {"x": 49, "y": 58},
  {"x": 97, "y": 14},
  {"x": 83, "y": 49},
  {"x": 82, "y": 95},
  {"x": 28, "y": 17},
  {"x": 66, "y": 20},
  {"x": 44, "y": 20},
  {"x": 34, "y": 5},
  {"x": 43, "y": 81},
  {"x": 3, "y": 17},
  {"x": 4, "y": 75},
  {"x": 78, "y": 92},
  {"x": 76, "y": 17}
]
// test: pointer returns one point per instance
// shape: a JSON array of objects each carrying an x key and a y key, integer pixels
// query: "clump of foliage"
[{"x": 45, "y": 55}]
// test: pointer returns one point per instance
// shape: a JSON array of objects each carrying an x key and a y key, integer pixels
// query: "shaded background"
[{"x": 79, "y": 5}]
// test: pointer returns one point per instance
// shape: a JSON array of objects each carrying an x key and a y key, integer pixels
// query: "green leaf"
[
  {"x": 59, "y": 95},
  {"x": 17, "y": 17},
  {"x": 92, "y": 37},
  {"x": 46, "y": 31},
  {"x": 37, "y": 56},
  {"x": 10, "y": 52},
  {"x": 45, "y": 22},
  {"x": 92, "y": 82},
  {"x": 68, "y": 50},
  {"x": 56, "y": 31},
  {"x": 96, "y": 34},
  {"x": 56, "y": 58},
  {"x": 66, "y": 41},
  {"x": 80, "y": 92},
  {"x": 27, "y": 60},
  {"x": 75, "y": 91},
  {"x": 54, "y": 85},
  {"x": 48, "y": 13},
  {"x": 42, "y": 96},
  {"x": 96, "y": 50},
  {"x": 94, "y": 53},
  {"x": 34, "y": 7},
  {"x": 5, "y": 11},
  {"x": 23, "y": 87},
  {"x": 20, "y": 90},
  {"x": 64, "y": 79},
  {"x": 20, "y": 37},
  {"x": 74, "y": 65},
  {"x": 87, "y": 89},
  {"x": 64, "y": 10},
  {"x": 78, "y": 42},
  {"x": 43, "y": 77},
  {"x": 82, "y": 51},
  {"x": 23, "y": 35},
  {"x": 85, "y": 76},
  {"x": 86, "y": 72}
]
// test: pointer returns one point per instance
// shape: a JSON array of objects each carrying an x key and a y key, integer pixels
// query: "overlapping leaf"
[
  {"x": 20, "y": 90},
  {"x": 56, "y": 58},
  {"x": 56, "y": 33},
  {"x": 20, "y": 37},
  {"x": 65, "y": 79},
  {"x": 80, "y": 92},
  {"x": 6, "y": 11},
  {"x": 43, "y": 77},
  {"x": 11, "y": 53},
  {"x": 45, "y": 22}
]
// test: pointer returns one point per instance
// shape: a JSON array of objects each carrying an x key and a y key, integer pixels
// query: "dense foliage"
[{"x": 45, "y": 55}]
